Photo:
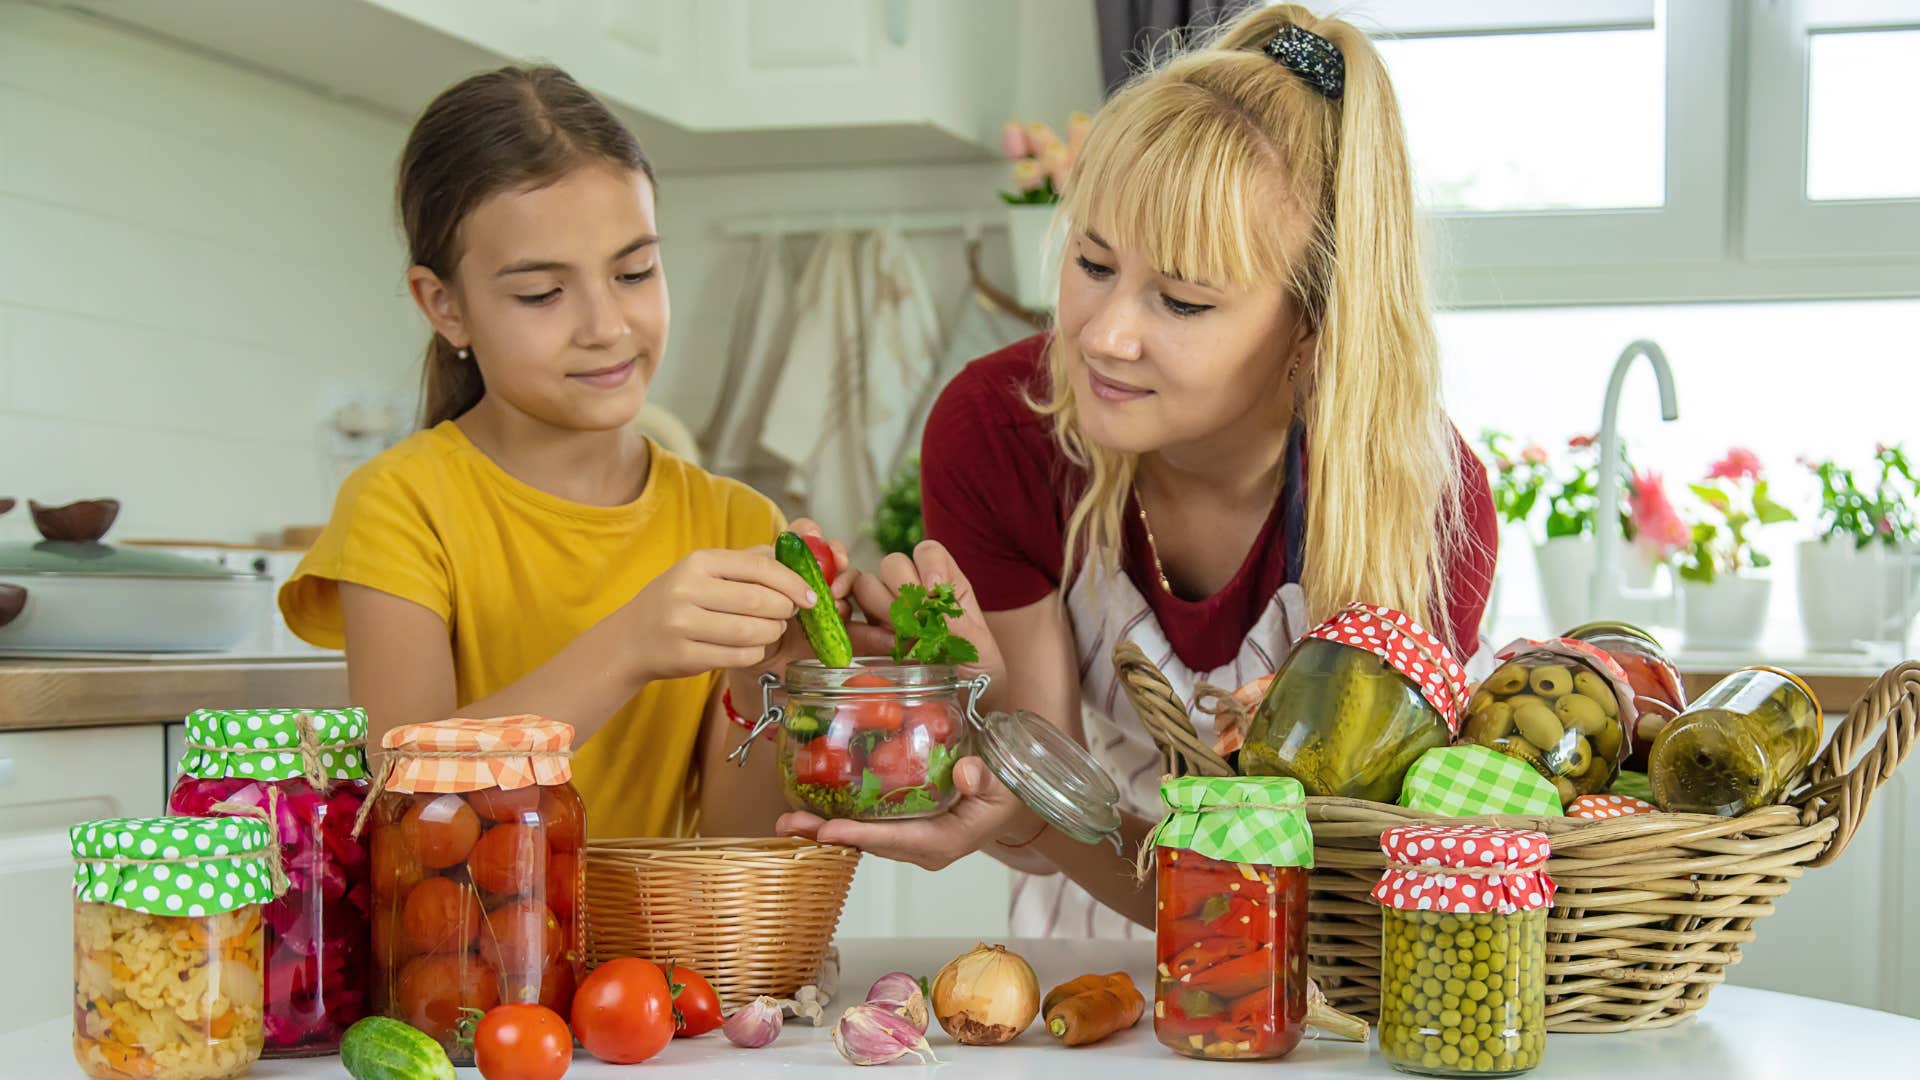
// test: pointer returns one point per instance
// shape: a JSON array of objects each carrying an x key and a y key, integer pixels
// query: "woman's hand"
[
  {"x": 933, "y": 565},
  {"x": 987, "y": 814}
]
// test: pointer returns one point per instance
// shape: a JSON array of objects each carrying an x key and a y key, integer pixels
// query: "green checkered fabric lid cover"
[
  {"x": 172, "y": 865},
  {"x": 1248, "y": 819},
  {"x": 264, "y": 744},
  {"x": 1468, "y": 781}
]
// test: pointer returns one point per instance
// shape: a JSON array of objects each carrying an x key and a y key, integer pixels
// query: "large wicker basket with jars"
[{"x": 1651, "y": 908}]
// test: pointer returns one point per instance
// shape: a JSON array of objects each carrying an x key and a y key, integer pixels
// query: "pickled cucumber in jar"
[
  {"x": 1739, "y": 747},
  {"x": 1343, "y": 720},
  {"x": 1562, "y": 707}
]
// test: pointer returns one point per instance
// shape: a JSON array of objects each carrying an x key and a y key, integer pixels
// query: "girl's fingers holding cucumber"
[
  {"x": 734, "y": 631},
  {"x": 757, "y": 566},
  {"x": 745, "y": 598}
]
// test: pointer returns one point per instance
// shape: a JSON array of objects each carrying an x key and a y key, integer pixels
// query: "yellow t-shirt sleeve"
[{"x": 382, "y": 535}]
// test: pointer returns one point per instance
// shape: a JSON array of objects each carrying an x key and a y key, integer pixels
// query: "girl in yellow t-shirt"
[{"x": 528, "y": 551}]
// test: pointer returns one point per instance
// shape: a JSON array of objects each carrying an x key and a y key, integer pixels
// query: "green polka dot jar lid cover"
[
  {"x": 173, "y": 865},
  {"x": 265, "y": 744}
]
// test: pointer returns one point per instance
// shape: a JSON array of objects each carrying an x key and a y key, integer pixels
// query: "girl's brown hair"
[{"x": 513, "y": 129}]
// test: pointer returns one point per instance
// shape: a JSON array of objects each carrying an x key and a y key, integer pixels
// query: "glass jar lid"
[{"x": 1048, "y": 771}]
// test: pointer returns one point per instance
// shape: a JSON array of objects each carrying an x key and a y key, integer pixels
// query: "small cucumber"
[
  {"x": 825, "y": 632},
  {"x": 378, "y": 1048}
]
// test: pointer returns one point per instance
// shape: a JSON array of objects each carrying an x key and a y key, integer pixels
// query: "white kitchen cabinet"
[
  {"x": 48, "y": 781},
  {"x": 707, "y": 84}
]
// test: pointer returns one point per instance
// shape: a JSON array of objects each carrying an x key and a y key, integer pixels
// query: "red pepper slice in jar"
[
  {"x": 1251, "y": 1019},
  {"x": 1209, "y": 954},
  {"x": 1238, "y": 976}
]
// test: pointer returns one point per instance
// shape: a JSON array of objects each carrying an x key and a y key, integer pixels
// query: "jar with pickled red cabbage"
[{"x": 306, "y": 771}]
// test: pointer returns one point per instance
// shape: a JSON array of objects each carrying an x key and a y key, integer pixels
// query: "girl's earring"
[{"x": 463, "y": 353}]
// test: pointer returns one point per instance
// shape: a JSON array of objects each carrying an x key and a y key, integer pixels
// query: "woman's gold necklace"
[{"x": 1153, "y": 546}]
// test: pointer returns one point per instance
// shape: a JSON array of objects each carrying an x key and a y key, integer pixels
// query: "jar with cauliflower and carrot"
[{"x": 167, "y": 946}]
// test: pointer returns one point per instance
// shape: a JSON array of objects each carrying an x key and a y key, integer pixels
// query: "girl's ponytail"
[{"x": 449, "y": 384}]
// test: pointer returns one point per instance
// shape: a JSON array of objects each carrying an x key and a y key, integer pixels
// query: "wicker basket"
[
  {"x": 1651, "y": 909},
  {"x": 753, "y": 916}
]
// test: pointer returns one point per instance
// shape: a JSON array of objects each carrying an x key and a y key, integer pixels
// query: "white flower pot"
[
  {"x": 1565, "y": 566},
  {"x": 1036, "y": 255},
  {"x": 1850, "y": 596},
  {"x": 1728, "y": 615}
]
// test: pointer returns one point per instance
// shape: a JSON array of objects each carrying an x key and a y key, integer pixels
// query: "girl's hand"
[
  {"x": 714, "y": 610},
  {"x": 986, "y": 815}
]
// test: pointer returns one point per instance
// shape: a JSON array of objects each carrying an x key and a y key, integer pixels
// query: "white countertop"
[{"x": 1752, "y": 1034}]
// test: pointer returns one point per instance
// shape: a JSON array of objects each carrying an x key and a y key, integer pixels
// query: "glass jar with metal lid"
[
  {"x": 878, "y": 741},
  {"x": 1739, "y": 747}
]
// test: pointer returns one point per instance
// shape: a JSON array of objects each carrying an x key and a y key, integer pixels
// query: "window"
[{"x": 1853, "y": 81}]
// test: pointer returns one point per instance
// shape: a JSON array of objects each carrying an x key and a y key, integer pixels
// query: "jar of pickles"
[
  {"x": 306, "y": 770},
  {"x": 1739, "y": 747},
  {"x": 167, "y": 946},
  {"x": 1563, "y": 707},
  {"x": 1463, "y": 927},
  {"x": 1658, "y": 693},
  {"x": 1231, "y": 859},
  {"x": 475, "y": 833},
  {"x": 872, "y": 742},
  {"x": 1360, "y": 698}
]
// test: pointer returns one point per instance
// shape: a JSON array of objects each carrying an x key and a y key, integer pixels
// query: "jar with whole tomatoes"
[
  {"x": 167, "y": 946},
  {"x": 306, "y": 771},
  {"x": 872, "y": 742},
  {"x": 476, "y": 836},
  {"x": 1232, "y": 857}
]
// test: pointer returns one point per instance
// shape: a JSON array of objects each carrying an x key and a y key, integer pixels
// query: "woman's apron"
[{"x": 1113, "y": 611}]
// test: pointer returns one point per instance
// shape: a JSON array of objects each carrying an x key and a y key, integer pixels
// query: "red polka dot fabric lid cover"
[
  {"x": 1596, "y": 807},
  {"x": 1407, "y": 647},
  {"x": 1524, "y": 886}
]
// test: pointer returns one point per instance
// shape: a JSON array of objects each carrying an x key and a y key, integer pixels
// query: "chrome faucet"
[{"x": 1607, "y": 598}]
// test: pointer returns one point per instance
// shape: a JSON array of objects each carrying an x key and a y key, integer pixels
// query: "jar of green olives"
[
  {"x": 1463, "y": 986},
  {"x": 1357, "y": 702},
  {"x": 1563, "y": 707}
]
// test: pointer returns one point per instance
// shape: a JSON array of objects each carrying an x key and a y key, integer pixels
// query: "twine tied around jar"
[
  {"x": 309, "y": 746},
  {"x": 384, "y": 771},
  {"x": 1143, "y": 861},
  {"x": 270, "y": 813}
]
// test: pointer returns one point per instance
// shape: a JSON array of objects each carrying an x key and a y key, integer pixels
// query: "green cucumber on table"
[
  {"x": 379, "y": 1048},
  {"x": 824, "y": 628}
]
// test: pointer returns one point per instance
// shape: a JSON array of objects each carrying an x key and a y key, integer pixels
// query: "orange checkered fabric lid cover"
[{"x": 452, "y": 756}]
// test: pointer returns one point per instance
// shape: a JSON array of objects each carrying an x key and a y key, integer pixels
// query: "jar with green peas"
[{"x": 1463, "y": 949}]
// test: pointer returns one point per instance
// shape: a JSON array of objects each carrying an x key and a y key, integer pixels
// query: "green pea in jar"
[{"x": 1463, "y": 950}]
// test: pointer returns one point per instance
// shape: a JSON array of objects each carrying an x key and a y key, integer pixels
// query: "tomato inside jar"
[
  {"x": 1231, "y": 932},
  {"x": 476, "y": 891}
]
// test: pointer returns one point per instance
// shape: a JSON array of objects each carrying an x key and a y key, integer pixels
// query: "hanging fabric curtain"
[
  {"x": 815, "y": 422},
  {"x": 762, "y": 321},
  {"x": 903, "y": 348}
]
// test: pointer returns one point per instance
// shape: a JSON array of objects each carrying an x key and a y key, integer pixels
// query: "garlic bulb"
[
  {"x": 755, "y": 1024},
  {"x": 986, "y": 997},
  {"x": 875, "y": 1035},
  {"x": 900, "y": 992}
]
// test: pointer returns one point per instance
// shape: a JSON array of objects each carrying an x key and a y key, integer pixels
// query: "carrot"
[
  {"x": 1093, "y": 1015},
  {"x": 222, "y": 1026},
  {"x": 1081, "y": 985}
]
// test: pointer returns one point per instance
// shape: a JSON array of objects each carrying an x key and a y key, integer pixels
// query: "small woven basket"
[
  {"x": 753, "y": 916},
  {"x": 1651, "y": 908}
]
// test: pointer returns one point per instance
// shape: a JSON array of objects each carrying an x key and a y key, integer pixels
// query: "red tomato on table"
[
  {"x": 696, "y": 1007},
  {"x": 623, "y": 1012}
]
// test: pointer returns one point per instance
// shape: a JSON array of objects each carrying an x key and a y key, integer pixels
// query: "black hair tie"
[{"x": 1311, "y": 57}]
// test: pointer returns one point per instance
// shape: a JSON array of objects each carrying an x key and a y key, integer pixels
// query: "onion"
[{"x": 986, "y": 997}]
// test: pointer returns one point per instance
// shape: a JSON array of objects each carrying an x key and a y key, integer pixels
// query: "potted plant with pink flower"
[
  {"x": 1042, "y": 164},
  {"x": 1860, "y": 578},
  {"x": 1724, "y": 593}
]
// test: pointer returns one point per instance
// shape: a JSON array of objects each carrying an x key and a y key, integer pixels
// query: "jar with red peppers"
[
  {"x": 476, "y": 836},
  {"x": 1658, "y": 693},
  {"x": 304, "y": 771},
  {"x": 1232, "y": 857}
]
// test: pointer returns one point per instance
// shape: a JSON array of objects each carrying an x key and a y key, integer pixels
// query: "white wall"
[{"x": 197, "y": 264}]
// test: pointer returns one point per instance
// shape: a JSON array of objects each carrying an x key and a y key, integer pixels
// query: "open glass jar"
[
  {"x": 1360, "y": 698},
  {"x": 306, "y": 768},
  {"x": 877, "y": 742},
  {"x": 1739, "y": 747},
  {"x": 476, "y": 836}
]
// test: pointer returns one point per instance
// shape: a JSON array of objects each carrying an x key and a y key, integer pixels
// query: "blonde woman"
[{"x": 1234, "y": 429}]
